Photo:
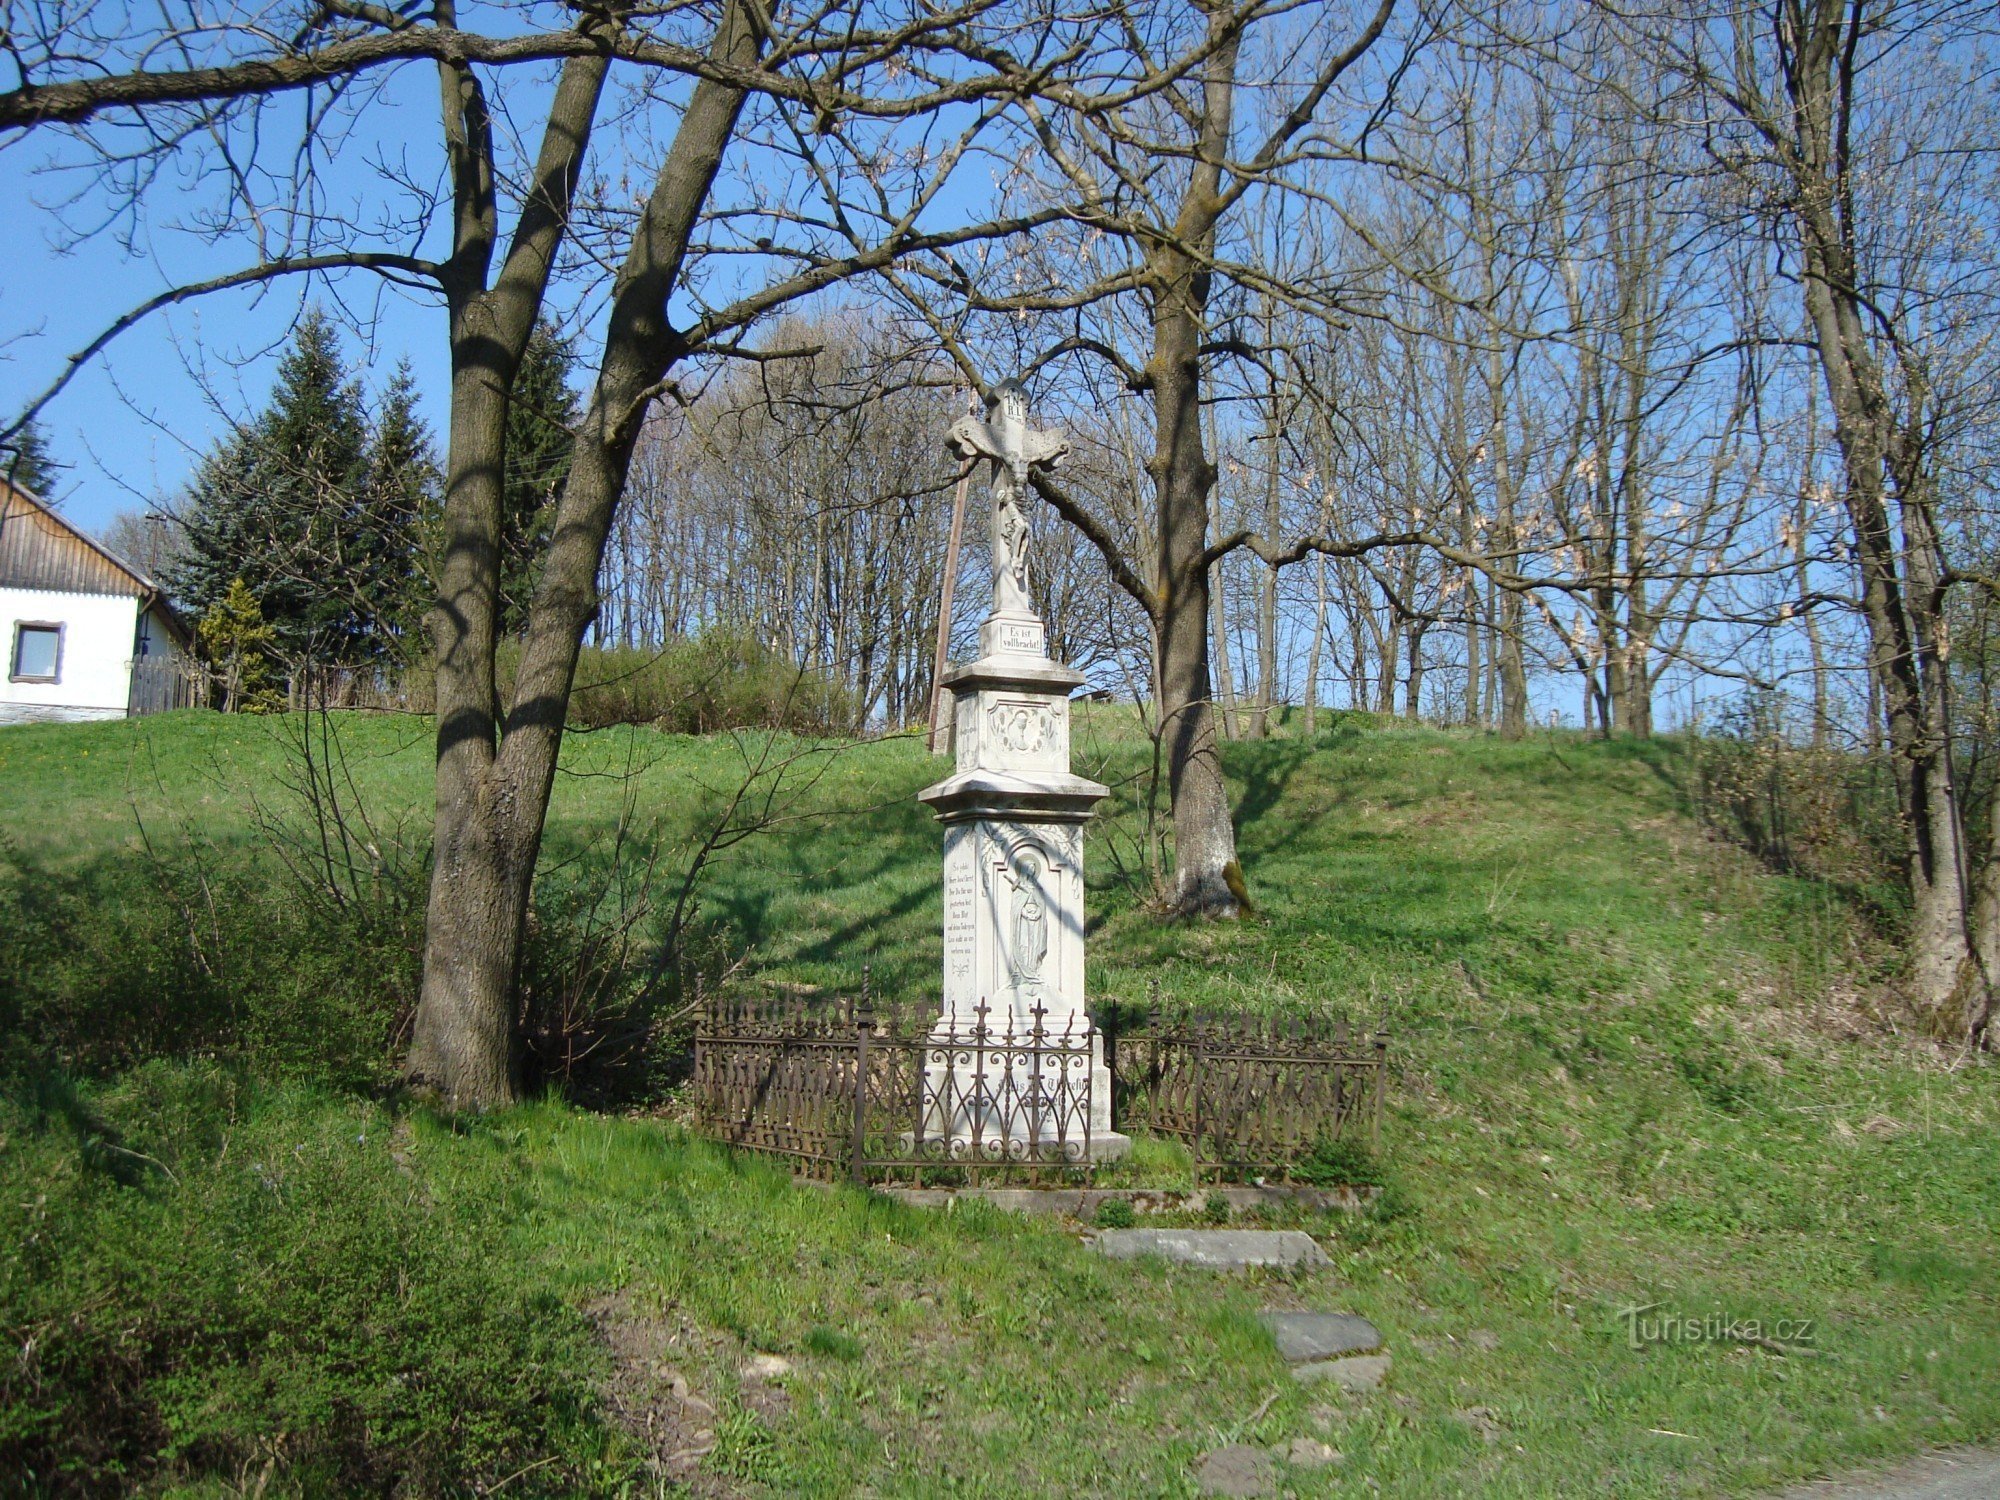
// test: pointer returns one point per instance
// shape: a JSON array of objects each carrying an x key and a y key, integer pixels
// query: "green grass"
[{"x": 1628, "y": 1069}]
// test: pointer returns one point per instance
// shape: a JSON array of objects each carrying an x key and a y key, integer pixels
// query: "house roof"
[{"x": 40, "y": 550}]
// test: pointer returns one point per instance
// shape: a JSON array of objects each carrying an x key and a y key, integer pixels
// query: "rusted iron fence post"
[
  {"x": 864, "y": 1027},
  {"x": 1381, "y": 1090}
]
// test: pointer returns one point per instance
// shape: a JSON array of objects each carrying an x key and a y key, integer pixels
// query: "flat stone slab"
[
  {"x": 1308, "y": 1335},
  {"x": 1238, "y": 1470},
  {"x": 1217, "y": 1249},
  {"x": 1358, "y": 1372}
]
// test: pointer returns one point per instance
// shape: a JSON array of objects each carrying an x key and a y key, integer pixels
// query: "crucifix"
[
  {"x": 1013, "y": 448},
  {"x": 1012, "y": 811}
]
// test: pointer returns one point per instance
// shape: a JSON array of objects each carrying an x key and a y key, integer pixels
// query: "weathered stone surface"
[
  {"x": 1306, "y": 1335},
  {"x": 765, "y": 1367},
  {"x": 1239, "y": 1470},
  {"x": 1358, "y": 1372},
  {"x": 1310, "y": 1453},
  {"x": 1217, "y": 1249}
]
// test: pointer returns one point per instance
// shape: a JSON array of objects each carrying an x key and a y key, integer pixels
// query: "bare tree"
[
  {"x": 1157, "y": 158},
  {"x": 1853, "y": 130},
  {"x": 797, "y": 87}
]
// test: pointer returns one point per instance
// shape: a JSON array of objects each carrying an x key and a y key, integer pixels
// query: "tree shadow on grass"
[
  {"x": 47, "y": 1097},
  {"x": 1267, "y": 770}
]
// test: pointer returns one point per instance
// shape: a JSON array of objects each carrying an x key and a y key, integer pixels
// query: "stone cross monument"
[{"x": 1013, "y": 813}]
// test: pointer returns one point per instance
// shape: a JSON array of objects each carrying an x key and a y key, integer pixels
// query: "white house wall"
[{"x": 94, "y": 677}]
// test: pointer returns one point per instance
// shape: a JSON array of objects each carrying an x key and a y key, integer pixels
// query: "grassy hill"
[{"x": 1631, "y": 1067}]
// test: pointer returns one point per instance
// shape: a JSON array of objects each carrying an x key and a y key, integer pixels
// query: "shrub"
[
  {"x": 1115, "y": 1213},
  {"x": 1337, "y": 1161},
  {"x": 305, "y": 964},
  {"x": 109, "y": 966},
  {"x": 262, "y": 1282},
  {"x": 1815, "y": 811},
  {"x": 720, "y": 679}
]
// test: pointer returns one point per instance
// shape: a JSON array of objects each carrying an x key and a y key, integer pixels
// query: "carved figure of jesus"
[{"x": 1013, "y": 448}]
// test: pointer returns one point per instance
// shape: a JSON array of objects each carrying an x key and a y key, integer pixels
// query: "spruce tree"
[
  {"x": 541, "y": 422},
  {"x": 313, "y": 453},
  {"x": 26, "y": 463},
  {"x": 220, "y": 518},
  {"x": 395, "y": 532},
  {"x": 274, "y": 505}
]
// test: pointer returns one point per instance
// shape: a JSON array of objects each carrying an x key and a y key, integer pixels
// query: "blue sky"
[
  {"x": 132, "y": 425},
  {"x": 134, "y": 422}
]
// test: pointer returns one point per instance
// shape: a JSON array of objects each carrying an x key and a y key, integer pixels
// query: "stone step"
[
  {"x": 1357, "y": 1372},
  {"x": 1306, "y": 1336},
  {"x": 1216, "y": 1249}
]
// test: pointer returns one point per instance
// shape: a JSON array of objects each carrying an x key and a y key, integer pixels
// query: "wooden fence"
[{"x": 165, "y": 682}]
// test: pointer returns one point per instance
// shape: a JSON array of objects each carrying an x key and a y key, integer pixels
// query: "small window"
[{"x": 37, "y": 652}]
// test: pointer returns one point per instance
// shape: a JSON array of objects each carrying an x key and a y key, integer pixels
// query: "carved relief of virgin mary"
[{"x": 1030, "y": 935}]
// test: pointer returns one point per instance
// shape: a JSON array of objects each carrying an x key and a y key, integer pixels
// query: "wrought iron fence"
[
  {"x": 841, "y": 1086},
  {"x": 1251, "y": 1095},
  {"x": 846, "y": 1087}
]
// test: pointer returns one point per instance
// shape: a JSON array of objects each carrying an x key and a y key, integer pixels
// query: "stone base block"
[
  {"x": 1109, "y": 1145},
  {"x": 1303, "y": 1336}
]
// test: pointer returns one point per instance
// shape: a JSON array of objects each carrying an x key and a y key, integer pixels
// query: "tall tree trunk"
[
  {"x": 1413, "y": 684},
  {"x": 1968, "y": 1010},
  {"x": 1509, "y": 647},
  {"x": 492, "y": 799},
  {"x": 1207, "y": 879},
  {"x": 1612, "y": 691},
  {"x": 1635, "y": 712},
  {"x": 464, "y": 1027},
  {"x": 1903, "y": 657},
  {"x": 1389, "y": 657},
  {"x": 463, "y": 1043},
  {"x": 1267, "y": 585},
  {"x": 1489, "y": 612},
  {"x": 1318, "y": 645},
  {"x": 1475, "y": 669},
  {"x": 1815, "y": 59},
  {"x": 1815, "y": 640}
]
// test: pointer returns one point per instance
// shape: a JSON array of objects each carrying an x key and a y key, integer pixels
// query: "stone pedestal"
[{"x": 1013, "y": 816}]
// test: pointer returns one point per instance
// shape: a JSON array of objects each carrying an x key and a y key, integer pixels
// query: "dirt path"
[{"x": 1953, "y": 1474}]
